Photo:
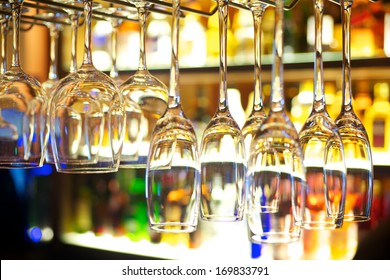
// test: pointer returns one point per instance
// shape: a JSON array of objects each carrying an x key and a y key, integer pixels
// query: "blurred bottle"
[
  {"x": 362, "y": 99},
  {"x": 333, "y": 101},
  {"x": 302, "y": 104},
  {"x": 377, "y": 119},
  {"x": 235, "y": 106},
  {"x": 316, "y": 244},
  {"x": 192, "y": 45},
  {"x": 343, "y": 242},
  {"x": 386, "y": 35},
  {"x": 201, "y": 118},
  {"x": 39, "y": 193},
  {"x": 134, "y": 216},
  {"x": 82, "y": 221},
  {"x": 376, "y": 210},
  {"x": 158, "y": 40},
  {"x": 212, "y": 36},
  {"x": 243, "y": 31}
]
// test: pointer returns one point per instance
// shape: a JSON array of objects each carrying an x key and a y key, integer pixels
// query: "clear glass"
[
  {"x": 222, "y": 155},
  {"x": 148, "y": 92},
  {"x": 87, "y": 117},
  {"x": 276, "y": 174},
  {"x": 133, "y": 136},
  {"x": 358, "y": 156},
  {"x": 54, "y": 33},
  {"x": 53, "y": 79},
  {"x": 258, "y": 115},
  {"x": 4, "y": 28},
  {"x": 323, "y": 151},
  {"x": 173, "y": 169},
  {"x": 23, "y": 108}
]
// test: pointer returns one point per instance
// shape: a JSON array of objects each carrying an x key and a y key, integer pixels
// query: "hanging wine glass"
[
  {"x": 358, "y": 156},
  {"x": 4, "y": 22},
  {"x": 132, "y": 137},
  {"x": 112, "y": 16},
  {"x": 276, "y": 174},
  {"x": 323, "y": 151},
  {"x": 54, "y": 32},
  {"x": 222, "y": 150},
  {"x": 148, "y": 92},
  {"x": 7, "y": 130},
  {"x": 258, "y": 115},
  {"x": 23, "y": 105},
  {"x": 173, "y": 170},
  {"x": 87, "y": 117},
  {"x": 53, "y": 81}
]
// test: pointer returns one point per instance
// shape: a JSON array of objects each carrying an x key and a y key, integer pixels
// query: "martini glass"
[
  {"x": 87, "y": 117},
  {"x": 276, "y": 174},
  {"x": 358, "y": 155},
  {"x": 222, "y": 155},
  {"x": 323, "y": 151},
  {"x": 173, "y": 170},
  {"x": 23, "y": 105},
  {"x": 148, "y": 92}
]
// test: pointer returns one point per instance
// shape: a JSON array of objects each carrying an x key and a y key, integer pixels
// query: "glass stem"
[
  {"x": 114, "y": 45},
  {"x": 319, "y": 97},
  {"x": 174, "y": 95},
  {"x": 277, "y": 95},
  {"x": 87, "y": 60},
  {"x": 16, "y": 7},
  {"x": 257, "y": 13},
  {"x": 142, "y": 15},
  {"x": 223, "y": 6},
  {"x": 346, "y": 8},
  {"x": 4, "y": 34},
  {"x": 74, "y": 21},
  {"x": 54, "y": 33}
]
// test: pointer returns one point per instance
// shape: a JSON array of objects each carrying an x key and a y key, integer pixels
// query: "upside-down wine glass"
[
  {"x": 87, "y": 118},
  {"x": 258, "y": 115},
  {"x": 4, "y": 27},
  {"x": 6, "y": 129},
  {"x": 54, "y": 33},
  {"x": 358, "y": 156},
  {"x": 276, "y": 174},
  {"x": 173, "y": 169},
  {"x": 132, "y": 136},
  {"x": 148, "y": 92},
  {"x": 112, "y": 14},
  {"x": 53, "y": 81},
  {"x": 222, "y": 155},
  {"x": 323, "y": 151},
  {"x": 23, "y": 107}
]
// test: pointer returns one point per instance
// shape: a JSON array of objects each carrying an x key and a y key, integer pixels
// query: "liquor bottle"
[
  {"x": 243, "y": 31},
  {"x": 377, "y": 119},
  {"x": 192, "y": 46},
  {"x": 212, "y": 36},
  {"x": 201, "y": 118},
  {"x": 362, "y": 99},
  {"x": 301, "y": 104},
  {"x": 235, "y": 106}
]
